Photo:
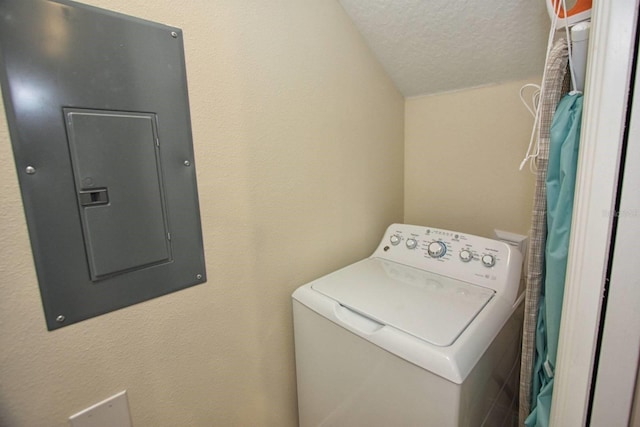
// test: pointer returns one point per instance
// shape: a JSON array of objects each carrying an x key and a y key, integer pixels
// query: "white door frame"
[
  {"x": 608, "y": 74},
  {"x": 620, "y": 349}
]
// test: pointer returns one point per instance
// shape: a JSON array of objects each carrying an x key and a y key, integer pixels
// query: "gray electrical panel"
[{"x": 98, "y": 114}]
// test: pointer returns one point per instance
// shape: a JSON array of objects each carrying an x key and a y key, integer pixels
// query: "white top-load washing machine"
[{"x": 425, "y": 332}]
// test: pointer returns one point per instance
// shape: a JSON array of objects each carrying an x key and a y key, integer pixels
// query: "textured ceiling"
[{"x": 432, "y": 46}]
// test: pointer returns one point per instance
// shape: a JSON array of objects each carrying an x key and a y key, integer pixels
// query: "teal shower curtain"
[{"x": 560, "y": 186}]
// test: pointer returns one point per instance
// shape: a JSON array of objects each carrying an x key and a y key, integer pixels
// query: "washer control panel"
[{"x": 474, "y": 259}]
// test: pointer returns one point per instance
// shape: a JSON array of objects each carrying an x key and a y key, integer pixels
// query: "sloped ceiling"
[{"x": 433, "y": 46}]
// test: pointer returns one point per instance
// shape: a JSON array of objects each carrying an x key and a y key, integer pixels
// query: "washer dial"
[
  {"x": 466, "y": 255},
  {"x": 412, "y": 243},
  {"x": 395, "y": 239},
  {"x": 436, "y": 249},
  {"x": 488, "y": 260}
]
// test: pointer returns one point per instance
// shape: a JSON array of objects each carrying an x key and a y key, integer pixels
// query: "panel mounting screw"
[
  {"x": 198, "y": 276},
  {"x": 30, "y": 170},
  {"x": 60, "y": 318},
  {"x": 187, "y": 163},
  {"x": 174, "y": 34}
]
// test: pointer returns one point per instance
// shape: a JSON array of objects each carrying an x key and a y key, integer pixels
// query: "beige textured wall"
[
  {"x": 298, "y": 135},
  {"x": 462, "y": 153}
]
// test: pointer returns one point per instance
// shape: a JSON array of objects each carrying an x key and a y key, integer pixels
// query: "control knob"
[
  {"x": 395, "y": 239},
  {"x": 488, "y": 260},
  {"x": 466, "y": 255},
  {"x": 436, "y": 249},
  {"x": 412, "y": 243}
]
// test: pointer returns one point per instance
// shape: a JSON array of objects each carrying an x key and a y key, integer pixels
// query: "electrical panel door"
[{"x": 98, "y": 114}]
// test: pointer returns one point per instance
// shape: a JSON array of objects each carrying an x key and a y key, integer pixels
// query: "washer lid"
[{"x": 431, "y": 307}]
